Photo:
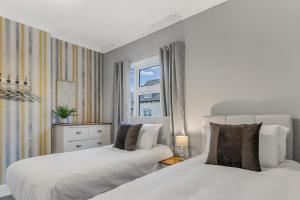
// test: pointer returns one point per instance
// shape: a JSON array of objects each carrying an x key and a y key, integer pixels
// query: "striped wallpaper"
[
  {"x": 83, "y": 66},
  {"x": 25, "y": 128}
]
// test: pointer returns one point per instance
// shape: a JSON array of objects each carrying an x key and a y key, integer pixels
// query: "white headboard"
[
  {"x": 284, "y": 120},
  {"x": 164, "y": 136}
]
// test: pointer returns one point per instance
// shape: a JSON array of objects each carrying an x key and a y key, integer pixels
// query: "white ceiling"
[{"x": 102, "y": 25}]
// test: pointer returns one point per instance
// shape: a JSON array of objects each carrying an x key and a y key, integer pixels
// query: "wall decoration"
[
  {"x": 66, "y": 93},
  {"x": 84, "y": 67},
  {"x": 17, "y": 90}
]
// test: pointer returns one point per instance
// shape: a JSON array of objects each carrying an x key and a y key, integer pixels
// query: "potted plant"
[{"x": 63, "y": 113}]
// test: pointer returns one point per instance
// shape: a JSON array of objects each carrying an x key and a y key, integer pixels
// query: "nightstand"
[{"x": 170, "y": 161}]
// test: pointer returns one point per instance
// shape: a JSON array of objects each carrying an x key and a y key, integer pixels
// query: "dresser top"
[{"x": 82, "y": 124}]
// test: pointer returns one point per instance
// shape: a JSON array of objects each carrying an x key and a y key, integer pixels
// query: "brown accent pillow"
[
  {"x": 132, "y": 137},
  {"x": 235, "y": 146},
  {"x": 122, "y": 133}
]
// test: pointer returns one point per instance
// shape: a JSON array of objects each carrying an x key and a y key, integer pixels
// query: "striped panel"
[
  {"x": 25, "y": 127},
  {"x": 84, "y": 67}
]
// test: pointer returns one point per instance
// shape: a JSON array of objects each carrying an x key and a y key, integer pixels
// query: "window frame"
[{"x": 149, "y": 62}]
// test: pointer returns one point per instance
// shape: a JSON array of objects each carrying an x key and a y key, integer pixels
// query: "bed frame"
[{"x": 284, "y": 120}]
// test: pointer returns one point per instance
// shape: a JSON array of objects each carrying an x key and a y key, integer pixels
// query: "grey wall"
[{"x": 242, "y": 57}]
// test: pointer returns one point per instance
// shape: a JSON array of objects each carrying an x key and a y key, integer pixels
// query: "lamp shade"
[{"x": 182, "y": 141}]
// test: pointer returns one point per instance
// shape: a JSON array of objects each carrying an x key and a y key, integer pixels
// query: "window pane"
[
  {"x": 147, "y": 112},
  {"x": 145, "y": 87},
  {"x": 149, "y": 105},
  {"x": 149, "y": 76}
]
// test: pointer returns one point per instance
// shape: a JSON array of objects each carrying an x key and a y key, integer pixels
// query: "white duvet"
[
  {"x": 81, "y": 174},
  {"x": 193, "y": 180}
]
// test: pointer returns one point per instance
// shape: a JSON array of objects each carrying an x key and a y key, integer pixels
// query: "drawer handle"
[
  {"x": 99, "y": 131},
  {"x": 78, "y": 146},
  {"x": 78, "y": 132},
  {"x": 99, "y": 143}
]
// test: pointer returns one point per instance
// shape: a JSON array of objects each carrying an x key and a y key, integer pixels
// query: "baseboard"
[{"x": 4, "y": 191}]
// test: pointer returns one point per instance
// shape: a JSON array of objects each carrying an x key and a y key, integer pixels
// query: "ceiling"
[{"x": 102, "y": 25}]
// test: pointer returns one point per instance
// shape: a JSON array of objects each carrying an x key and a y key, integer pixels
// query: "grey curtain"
[
  {"x": 121, "y": 95},
  {"x": 172, "y": 63}
]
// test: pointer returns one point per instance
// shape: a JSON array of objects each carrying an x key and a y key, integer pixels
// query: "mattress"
[
  {"x": 194, "y": 180},
  {"x": 81, "y": 174}
]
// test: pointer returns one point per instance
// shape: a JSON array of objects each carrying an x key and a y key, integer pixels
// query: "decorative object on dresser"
[
  {"x": 182, "y": 142},
  {"x": 64, "y": 113},
  {"x": 74, "y": 137}
]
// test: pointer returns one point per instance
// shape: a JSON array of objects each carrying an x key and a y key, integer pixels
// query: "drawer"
[
  {"x": 76, "y": 133},
  {"x": 99, "y": 131},
  {"x": 76, "y": 145},
  {"x": 105, "y": 141},
  {"x": 97, "y": 143},
  {"x": 83, "y": 144}
]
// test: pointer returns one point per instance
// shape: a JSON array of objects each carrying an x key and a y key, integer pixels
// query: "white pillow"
[
  {"x": 268, "y": 147},
  {"x": 207, "y": 133},
  {"x": 281, "y": 133},
  {"x": 148, "y": 136},
  {"x": 272, "y": 144}
]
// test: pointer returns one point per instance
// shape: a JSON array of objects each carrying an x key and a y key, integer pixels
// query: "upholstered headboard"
[
  {"x": 284, "y": 120},
  {"x": 164, "y": 136}
]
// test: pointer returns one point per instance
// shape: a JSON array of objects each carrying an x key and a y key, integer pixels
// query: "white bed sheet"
[
  {"x": 193, "y": 180},
  {"x": 81, "y": 174}
]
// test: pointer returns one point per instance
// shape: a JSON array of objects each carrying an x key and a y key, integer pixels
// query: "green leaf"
[{"x": 64, "y": 112}]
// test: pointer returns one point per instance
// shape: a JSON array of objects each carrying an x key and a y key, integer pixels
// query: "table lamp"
[{"x": 182, "y": 141}]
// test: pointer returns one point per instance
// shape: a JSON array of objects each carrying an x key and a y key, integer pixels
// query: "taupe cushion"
[
  {"x": 132, "y": 137},
  {"x": 122, "y": 133},
  {"x": 235, "y": 146}
]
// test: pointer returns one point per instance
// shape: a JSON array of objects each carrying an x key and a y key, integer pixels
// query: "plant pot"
[{"x": 64, "y": 120}]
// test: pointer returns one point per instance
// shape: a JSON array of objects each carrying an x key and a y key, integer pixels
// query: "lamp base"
[
  {"x": 181, "y": 159},
  {"x": 181, "y": 154}
]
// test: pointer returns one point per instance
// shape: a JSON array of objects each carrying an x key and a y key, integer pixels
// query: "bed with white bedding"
[
  {"x": 194, "y": 180},
  {"x": 81, "y": 174}
]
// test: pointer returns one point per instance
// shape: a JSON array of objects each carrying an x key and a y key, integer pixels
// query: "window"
[
  {"x": 147, "y": 96},
  {"x": 145, "y": 88},
  {"x": 152, "y": 104},
  {"x": 147, "y": 112},
  {"x": 149, "y": 76}
]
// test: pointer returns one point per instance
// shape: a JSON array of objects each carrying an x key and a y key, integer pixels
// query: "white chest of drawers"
[{"x": 77, "y": 137}]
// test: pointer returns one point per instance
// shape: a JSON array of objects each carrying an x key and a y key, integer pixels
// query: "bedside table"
[{"x": 170, "y": 161}]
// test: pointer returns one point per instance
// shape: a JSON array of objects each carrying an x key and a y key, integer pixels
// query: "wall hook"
[
  {"x": 15, "y": 90},
  {"x": 25, "y": 82},
  {"x": 17, "y": 80},
  {"x": 8, "y": 79}
]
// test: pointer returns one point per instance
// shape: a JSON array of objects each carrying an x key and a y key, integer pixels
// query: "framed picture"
[{"x": 66, "y": 93}]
